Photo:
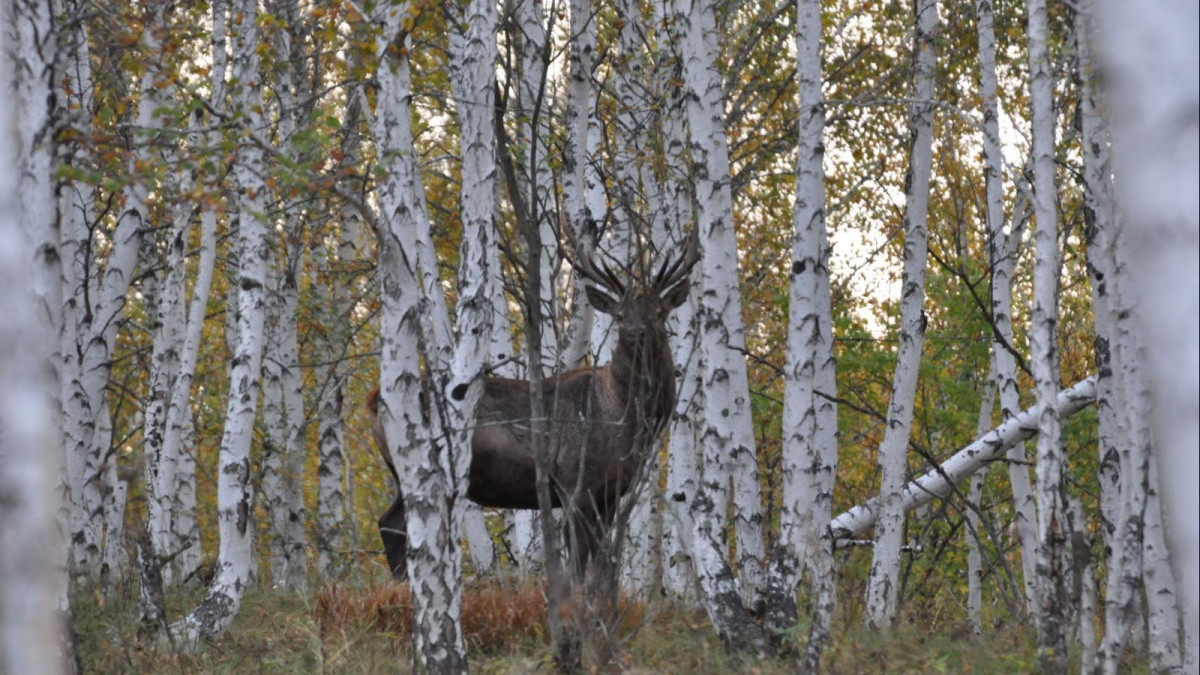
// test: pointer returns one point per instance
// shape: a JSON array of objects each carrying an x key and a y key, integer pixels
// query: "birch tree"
[
  {"x": 679, "y": 573},
  {"x": 95, "y": 303},
  {"x": 727, "y": 437},
  {"x": 234, "y": 491},
  {"x": 171, "y": 478},
  {"x": 973, "y": 521},
  {"x": 939, "y": 481},
  {"x": 431, "y": 441},
  {"x": 284, "y": 447},
  {"x": 883, "y": 584},
  {"x": 335, "y": 284},
  {"x": 1152, "y": 64},
  {"x": 1001, "y": 259},
  {"x": 809, "y": 464},
  {"x": 1052, "y": 647},
  {"x": 283, "y": 414},
  {"x": 33, "y": 556}
]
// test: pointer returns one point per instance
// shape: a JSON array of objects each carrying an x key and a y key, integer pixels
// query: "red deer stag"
[{"x": 601, "y": 420}]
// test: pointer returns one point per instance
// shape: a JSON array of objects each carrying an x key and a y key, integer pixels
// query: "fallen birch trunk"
[{"x": 937, "y": 482}]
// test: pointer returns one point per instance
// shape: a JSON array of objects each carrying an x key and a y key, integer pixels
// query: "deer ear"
[
  {"x": 677, "y": 295},
  {"x": 601, "y": 301}
]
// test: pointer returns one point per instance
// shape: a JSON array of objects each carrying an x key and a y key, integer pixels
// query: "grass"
[{"x": 346, "y": 629}]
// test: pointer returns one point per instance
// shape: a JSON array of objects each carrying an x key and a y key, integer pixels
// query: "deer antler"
[
  {"x": 670, "y": 273},
  {"x": 603, "y": 277}
]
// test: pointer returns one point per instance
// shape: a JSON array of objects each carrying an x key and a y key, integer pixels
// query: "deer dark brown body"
[{"x": 601, "y": 422}]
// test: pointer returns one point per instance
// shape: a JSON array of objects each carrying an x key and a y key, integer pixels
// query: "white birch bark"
[
  {"x": 432, "y": 452},
  {"x": 883, "y": 583},
  {"x": 234, "y": 492},
  {"x": 179, "y": 433},
  {"x": 1151, "y": 69},
  {"x": 185, "y": 528},
  {"x": 1124, "y": 477},
  {"x": 283, "y": 418},
  {"x": 1044, "y": 353},
  {"x": 533, "y": 109},
  {"x": 1130, "y": 430},
  {"x": 75, "y": 213},
  {"x": 170, "y": 479},
  {"x": 974, "y": 499},
  {"x": 282, "y": 464},
  {"x": 1083, "y": 593},
  {"x": 1100, "y": 221},
  {"x": 728, "y": 436},
  {"x": 679, "y": 570},
  {"x": 33, "y": 560},
  {"x": 964, "y": 463},
  {"x": 335, "y": 287},
  {"x": 1163, "y": 617},
  {"x": 1002, "y": 262},
  {"x": 639, "y": 533},
  {"x": 91, "y": 469},
  {"x": 167, "y": 347},
  {"x": 809, "y": 454},
  {"x": 583, "y": 190}
]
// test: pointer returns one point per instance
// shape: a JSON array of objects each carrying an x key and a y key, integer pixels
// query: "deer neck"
[{"x": 643, "y": 373}]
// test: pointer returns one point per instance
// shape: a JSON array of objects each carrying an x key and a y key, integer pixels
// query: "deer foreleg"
[{"x": 395, "y": 538}]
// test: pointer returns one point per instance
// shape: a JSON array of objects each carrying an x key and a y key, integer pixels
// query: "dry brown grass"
[{"x": 495, "y": 614}]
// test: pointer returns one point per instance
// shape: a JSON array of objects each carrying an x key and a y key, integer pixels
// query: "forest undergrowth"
[{"x": 364, "y": 628}]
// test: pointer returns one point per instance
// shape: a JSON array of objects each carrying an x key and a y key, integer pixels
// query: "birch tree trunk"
[
  {"x": 1001, "y": 258},
  {"x": 883, "y": 583},
  {"x": 284, "y": 449},
  {"x": 179, "y": 432},
  {"x": 1052, "y": 646},
  {"x": 431, "y": 441},
  {"x": 33, "y": 555},
  {"x": 727, "y": 439},
  {"x": 1151, "y": 68},
  {"x": 809, "y": 461},
  {"x": 582, "y": 186},
  {"x": 332, "y": 281},
  {"x": 974, "y": 507},
  {"x": 96, "y": 498},
  {"x": 964, "y": 463},
  {"x": 1163, "y": 619},
  {"x": 234, "y": 491},
  {"x": 682, "y": 482},
  {"x": 283, "y": 415},
  {"x": 636, "y": 538},
  {"x": 75, "y": 213}
]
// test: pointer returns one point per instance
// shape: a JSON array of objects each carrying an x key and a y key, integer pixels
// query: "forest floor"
[{"x": 364, "y": 629}]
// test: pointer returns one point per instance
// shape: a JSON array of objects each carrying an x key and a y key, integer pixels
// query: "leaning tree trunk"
[
  {"x": 939, "y": 481},
  {"x": 179, "y": 432},
  {"x": 883, "y": 584},
  {"x": 234, "y": 491},
  {"x": 96, "y": 495}
]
